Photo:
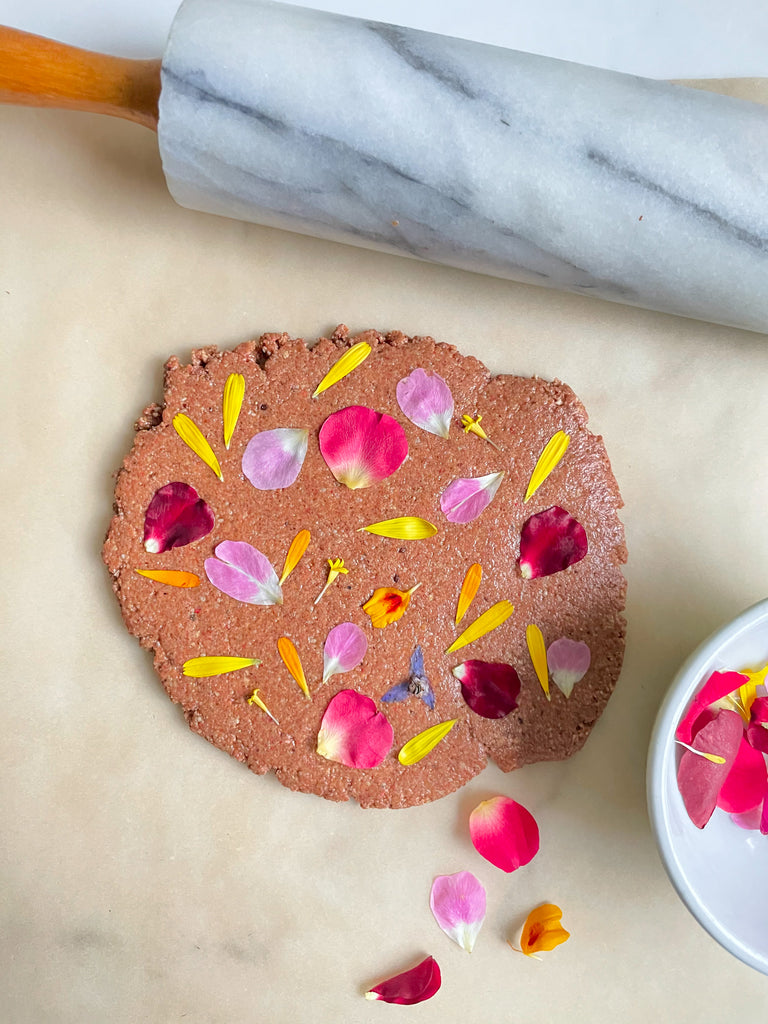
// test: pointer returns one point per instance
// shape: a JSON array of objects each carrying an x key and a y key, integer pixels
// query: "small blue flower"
[{"x": 417, "y": 684}]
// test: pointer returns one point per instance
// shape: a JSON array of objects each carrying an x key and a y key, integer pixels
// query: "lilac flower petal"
[
  {"x": 396, "y": 693},
  {"x": 458, "y": 903},
  {"x": 427, "y": 401},
  {"x": 568, "y": 661},
  {"x": 273, "y": 458},
  {"x": 345, "y": 648},
  {"x": 465, "y": 498},
  {"x": 244, "y": 573}
]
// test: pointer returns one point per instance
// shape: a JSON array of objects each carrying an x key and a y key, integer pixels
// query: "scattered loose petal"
[
  {"x": 176, "y": 516},
  {"x": 232, "y": 403},
  {"x": 757, "y": 735},
  {"x": 469, "y": 589},
  {"x": 256, "y": 699},
  {"x": 335, "y": 569},
  {"x": 361, "y": 446},
  {"x": 193, "y": 437},
  {"x": 202, "y": 668},
  {"x": 700, "y": 779},
  {"x": 745, "y": 783},
  {"x": 568, "y": 662},
  {"x": 491, "y": 619},
  {"x": 550, "y": 541},
  {"x": 553, "y": 452},
  {"x": 417, "y": 684},
  {"x": 543, "y": 930},
  {"x": 490, "y": 688},
  {"x": 171, "y": 577},
  {"x": 299, "y": 545},
  {"x": 290, "y": 657},
  {"x": 419, "y": 746},
  {"x": 472, "y": 426},
  {"x": 345, "y": 648},
  {"x": 427, "y": 401},
  {"x": 402, "y": 528},
  {"x": 244, "y": 573},
  {"x": 465, "y": 498},
  {"x": 410, "y": 987},
  {"x": 387, "y": 605},
  {"x": 351, "y": 359},
  {"x": 353, "y": 732},
  {"x": 759, "y": 710},
  {"x": 717, "y": 686},
  {"x": 504, "y": 832},
  {"x": 538, "y": 652},
  {"x": 272, "y": 459},
  {"x": 458, "y": 903}
]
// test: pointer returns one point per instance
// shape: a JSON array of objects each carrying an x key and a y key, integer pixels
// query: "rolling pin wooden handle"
[{"x": 39, "y": 72}]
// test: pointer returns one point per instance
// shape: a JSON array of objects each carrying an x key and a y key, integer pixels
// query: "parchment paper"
[{"x": 147, "y": 876}]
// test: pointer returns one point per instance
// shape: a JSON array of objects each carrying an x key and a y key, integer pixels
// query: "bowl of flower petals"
[{"x": 708, "y": 785}]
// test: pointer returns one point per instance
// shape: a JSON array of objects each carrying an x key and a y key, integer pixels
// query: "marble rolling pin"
[{"x": 468, "y": 155}]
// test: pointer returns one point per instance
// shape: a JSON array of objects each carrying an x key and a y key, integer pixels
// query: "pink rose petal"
[
  {"x": 410, "y": 987},
  {"x": 464, "y": 499},
  {"x": 568, "y": 662},
  {"x": 550, "y": 541},
  {"x": 353, "y": 732},
  {"x": 362, "y": 446},
  {"x": 427, "y": 401},
  {"x": 273, "y": 458},
  {"x": 504, "y": 832},
  {"x": 717, "y": 686},
  {"x": 758, "y": 736},
  {"x": 243, "y": 573},
  {"x": 490, "y": 688},
  {"x": 745, "y": 783},
  {"x": 764, "y": 815},
  {"x": 176, "y": 516},
  {"x": 700, "y": 780},
  {"x": 458, "y": 903},
  {"x": 759, "y": 710},
  {"x": 749, "y": 820},
  {"x": 345, "y": 648}
]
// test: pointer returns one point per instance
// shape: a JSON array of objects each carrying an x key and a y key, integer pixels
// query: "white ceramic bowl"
[{"x": 721, "y": 871}]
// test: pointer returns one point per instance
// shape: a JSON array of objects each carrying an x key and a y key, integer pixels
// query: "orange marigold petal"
[
  {"x": 543, "y": 930},
  {"x": 292, "y": 661},
  {"x": 171, "y": 577},
  {"x": 469, "y": 589},
  {"x": 295, "y": 554},
  {"x": 387, "y": 605}
]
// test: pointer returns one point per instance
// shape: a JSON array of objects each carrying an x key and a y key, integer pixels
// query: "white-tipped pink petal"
[
  {"x": 568, "y": 661},
  {"x": 465, "y": 498},
  {"x": 244, "y": 573},
  {"x": 345, "y": 648},
  {"x": 354, "y": 732},
  {"x": 504, "y": 832},
  {"x": 458, "y": 903},
  {"x": 427, "y": 401},
  {"x": 273, "y": 458}
]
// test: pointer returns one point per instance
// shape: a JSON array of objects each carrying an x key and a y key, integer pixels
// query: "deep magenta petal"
[
  {"x": 176, "y": 516},
  {"x": 700, "y": 780},
  {"x": 758, "y": 737},
  {"x": 490, "y": 688},
  {"x": 759, "y": 710},
  {"x": 362, "y": 446},
  {"x": 550, "y": 541},
  {"x": 717, "y": 686},
  {"x": 410, "y": 987},
  {"x": 504, "y": 832},
  {"x": 744, "y": 785}
]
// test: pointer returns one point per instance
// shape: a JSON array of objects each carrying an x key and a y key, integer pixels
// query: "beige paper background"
[{"x": 148, "y": 877}]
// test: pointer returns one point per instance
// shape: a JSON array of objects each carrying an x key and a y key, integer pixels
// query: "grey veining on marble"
[{"x": 469, "y": 155}]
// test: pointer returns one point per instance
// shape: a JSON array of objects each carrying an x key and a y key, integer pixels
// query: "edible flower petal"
[
  {"x": 299, "y": 545},
  {"x": 272, "y": 459},
  {"x": 745, "y": 783},
  {"x": 757, "y": 735},
  {"x": 242, "y": 572},
  {"x": 554, "y": 451},
  {"x": 472, "y": 426},
  {"x": 417, "y": 684},
  {"x": 351, "y": 359},
  {"x": 256, "y": 699},
  {"x": 469, "y": 589},
  {"x": 491, "y": 619},
  {"x": 700, "y": 779},
  {"x": 361, "y": 446},
  {"x": 402, "y": 528},
  {"x": 458, "y": 903},
  {"x": 465, "y": 498},
  {"x": 490, "y": 688},
  {"x": 543, "y": 930},
  {"x": 193, "y": 437},
  {"x": 550, "y": 541},
  {"x": 176, "y": 516},
  {"x": 335, "y": 569},
  {"x": 387, "y": 604},
  {"x": 202, "y": 668},
  {"x": 538, "y": 652},
  {"x": 427, "y": 401},
  {"x": 345, "y": 648},
  {"x": 171, "y": 577},
  {"x": 353, "y": 732},
  {"x": 410, "y": 987},
  {"x": 717, "y": 686},
  {"x": 420, "y": 745},
  {"x": 290, "y": 658},
  {"x": 232, "y": 403},
  {"x": 504, "y": 832},
  {"x": 568, "y": 661}
]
